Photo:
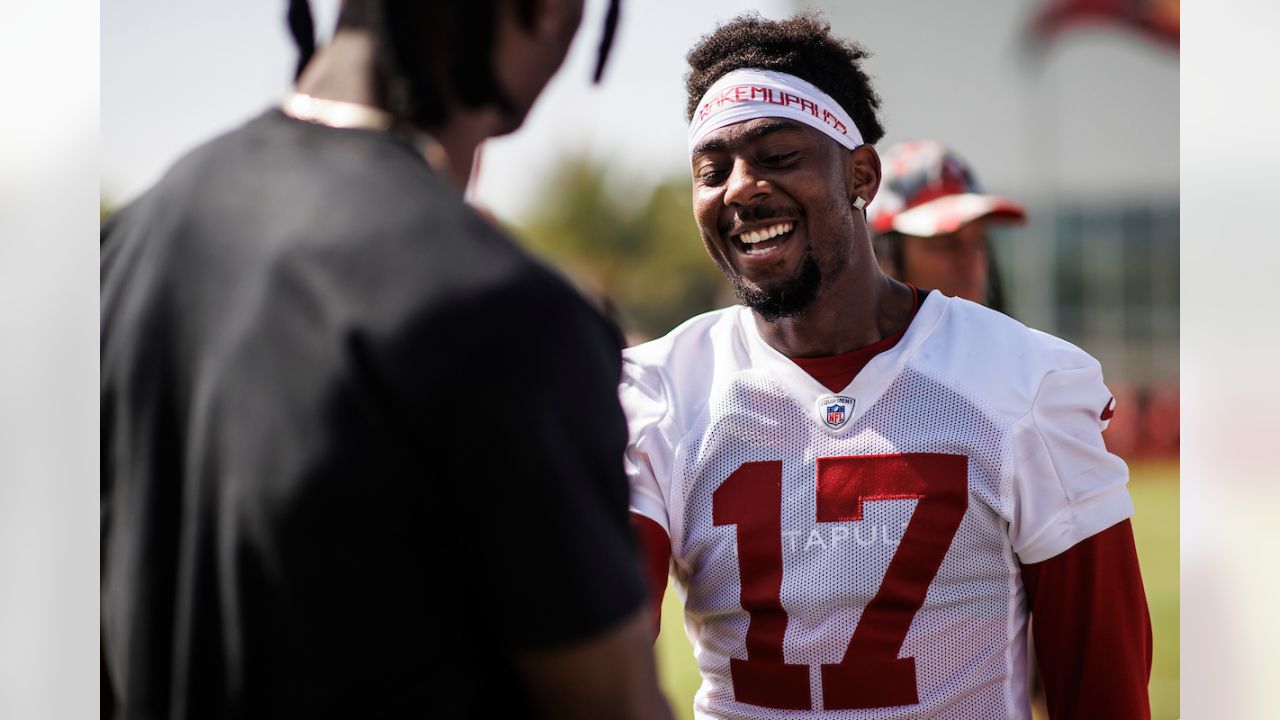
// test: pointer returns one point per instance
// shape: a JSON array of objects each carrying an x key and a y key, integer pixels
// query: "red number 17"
[{"x": 871, "y": 674}]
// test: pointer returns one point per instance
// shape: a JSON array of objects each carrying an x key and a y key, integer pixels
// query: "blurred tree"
[{"x": 633, "y": 245}]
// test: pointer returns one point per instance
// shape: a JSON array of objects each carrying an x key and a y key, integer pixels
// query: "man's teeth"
[{"x": 763, "y": 234}]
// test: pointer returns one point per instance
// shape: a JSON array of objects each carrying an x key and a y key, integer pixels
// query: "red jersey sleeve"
[
  {"x": 655, "y": 548},
  {"x": 1092, "y": 628}
]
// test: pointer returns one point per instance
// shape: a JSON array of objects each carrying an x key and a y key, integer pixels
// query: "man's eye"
[
  {"x": 779, "y": 158},
  {"x": 711, "y": 176}
]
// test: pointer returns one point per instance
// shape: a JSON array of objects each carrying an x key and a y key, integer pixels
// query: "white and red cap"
[
  {"x": 927, "y": 190},
  {"x": 750, "y": 93}
]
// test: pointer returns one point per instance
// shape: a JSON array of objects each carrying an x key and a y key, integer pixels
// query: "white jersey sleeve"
[
  {"x": 1068, "y": 487},
  {"x": 663, "y": 390},
  {"x": 644, "y": 400}
]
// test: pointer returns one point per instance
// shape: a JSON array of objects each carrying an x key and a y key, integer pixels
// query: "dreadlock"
[
  {"x": 802, "y": 46},
  {"x": 432, "y": 54},
  {"x": 303, "y": 29}
]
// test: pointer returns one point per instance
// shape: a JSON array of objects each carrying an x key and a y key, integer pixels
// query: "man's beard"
[{"x": 783, "y": 298}]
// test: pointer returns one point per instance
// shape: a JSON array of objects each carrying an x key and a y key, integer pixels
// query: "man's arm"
[
  {"x": 1092, "y": 628},
  {"x": 610, "y": 675},
  {"x": 554, "y": 483},
  {"x": 655, "y": 551}
]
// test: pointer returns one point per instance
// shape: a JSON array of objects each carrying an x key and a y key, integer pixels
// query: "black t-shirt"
[{"x": 357, "y": 447}]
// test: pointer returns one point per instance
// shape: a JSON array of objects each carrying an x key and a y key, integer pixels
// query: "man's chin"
[{"x": 781, "y": 298}]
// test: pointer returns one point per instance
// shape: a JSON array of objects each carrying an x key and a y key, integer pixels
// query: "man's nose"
[{"x": 744, "y": 186}]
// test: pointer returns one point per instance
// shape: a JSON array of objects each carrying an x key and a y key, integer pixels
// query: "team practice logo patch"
[{"x": 835, "y": 410}]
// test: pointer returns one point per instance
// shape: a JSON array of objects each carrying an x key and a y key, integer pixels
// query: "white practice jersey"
[{"x": 856, "y": 554}]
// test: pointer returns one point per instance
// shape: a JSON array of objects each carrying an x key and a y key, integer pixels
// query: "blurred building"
[{"x": 1081, "y": 125}]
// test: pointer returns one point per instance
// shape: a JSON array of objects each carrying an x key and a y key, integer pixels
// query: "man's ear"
[{"x": 862, "y": 173}]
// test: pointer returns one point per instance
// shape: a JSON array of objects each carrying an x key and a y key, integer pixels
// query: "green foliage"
[
  {"x": 1154, "y": 487},
  {"x": 634, "y": 245}
]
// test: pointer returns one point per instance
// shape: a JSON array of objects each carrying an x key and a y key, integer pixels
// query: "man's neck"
[
  {"x": 460, "y": 137},
  {"x": 344, "y": 70},
  {"x": 852, "y": 310}
]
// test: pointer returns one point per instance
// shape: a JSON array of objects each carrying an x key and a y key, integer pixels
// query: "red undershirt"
[{"x": 1092, "y": 628}]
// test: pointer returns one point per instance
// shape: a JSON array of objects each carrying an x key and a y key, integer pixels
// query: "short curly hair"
[{"x": 801, "y": 45}]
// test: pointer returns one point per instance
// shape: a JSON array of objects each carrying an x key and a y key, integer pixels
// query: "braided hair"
[
  {"x": 432, "y": 52},
  {"x": 303, "y": 29}
]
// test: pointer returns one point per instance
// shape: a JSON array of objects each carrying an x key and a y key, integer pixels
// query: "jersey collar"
[{"x": 869, "y": 384}]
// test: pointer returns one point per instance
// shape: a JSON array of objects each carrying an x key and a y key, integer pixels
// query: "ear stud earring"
[{"x": 859, "y": 203}]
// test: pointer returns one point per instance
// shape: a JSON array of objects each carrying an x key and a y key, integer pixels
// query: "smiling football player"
[{"x": 866, "y": 489}]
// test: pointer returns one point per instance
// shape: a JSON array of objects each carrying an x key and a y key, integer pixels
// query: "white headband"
[{"x": 749, "y": 93}]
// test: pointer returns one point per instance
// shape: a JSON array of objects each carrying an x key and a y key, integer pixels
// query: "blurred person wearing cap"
[
  {"x": 865, "y": 489},
  {"x": 931, "y": 219},
  {"x": 361, "y": 453},
  {"x": 930, "y": 223}
]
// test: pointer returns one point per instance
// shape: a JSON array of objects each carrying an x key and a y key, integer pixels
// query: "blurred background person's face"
[{"x": 954, "y": 264}]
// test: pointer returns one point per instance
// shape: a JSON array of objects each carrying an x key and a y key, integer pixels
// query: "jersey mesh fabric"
[
  {"x": 963, "y": 636},
  {"x": 711, "y": 397}
]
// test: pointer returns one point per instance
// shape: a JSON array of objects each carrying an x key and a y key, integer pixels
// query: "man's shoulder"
[
  {"x": 274, "y": 180},
  {"x": 970, "y": 317},
  {"x": 288, "y": 165},
  {"x": 677, "y": 372},
  {"x": 321, "y": 231},
  {"x": 521, "y": 295},
  {"x": 992, "y": 357}
]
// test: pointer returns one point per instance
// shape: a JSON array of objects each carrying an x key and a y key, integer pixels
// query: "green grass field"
[
  {"x": 1155, "y": 528},
  {"x": 1155, "y": 495}
]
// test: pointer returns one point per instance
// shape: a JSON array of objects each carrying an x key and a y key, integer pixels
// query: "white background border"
[{"x": 48, "y": 366}]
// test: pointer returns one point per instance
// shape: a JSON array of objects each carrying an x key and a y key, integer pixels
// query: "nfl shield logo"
[{"x": 835, "y": 410}]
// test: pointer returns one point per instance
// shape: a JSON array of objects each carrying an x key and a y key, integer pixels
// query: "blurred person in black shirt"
[{"x": 362, "y": 456}]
